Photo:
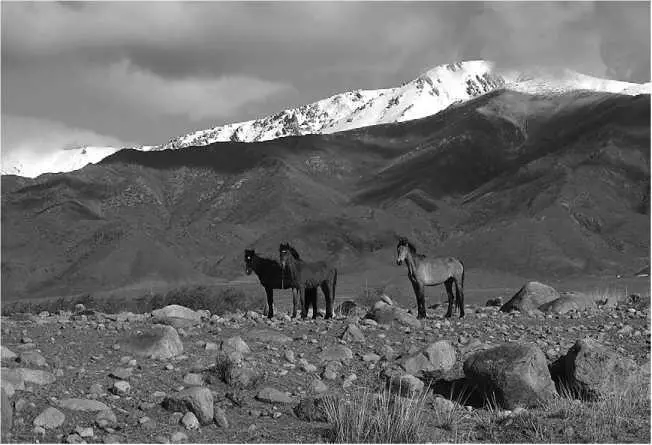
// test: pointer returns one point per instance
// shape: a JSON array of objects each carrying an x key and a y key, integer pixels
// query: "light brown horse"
[{"x": 424, "y": 271}]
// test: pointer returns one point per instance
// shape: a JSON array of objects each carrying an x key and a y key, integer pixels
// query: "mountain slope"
[
  {"x": 430, "y": 93},
  {"x": 547, "y": 185}
]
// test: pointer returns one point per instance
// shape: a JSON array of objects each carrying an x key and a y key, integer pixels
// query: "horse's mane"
[
  {"x": 294, "y": 252},
  {"x": 413, "y": 249}
]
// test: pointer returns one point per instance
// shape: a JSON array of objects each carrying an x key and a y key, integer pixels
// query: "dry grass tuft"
[{"x": 376, "y": 418}]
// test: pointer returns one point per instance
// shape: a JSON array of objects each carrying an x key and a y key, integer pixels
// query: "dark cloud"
[{"x": 147, "y": 71}]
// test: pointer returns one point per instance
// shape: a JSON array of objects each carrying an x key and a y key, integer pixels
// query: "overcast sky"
[{"x": 114, "y": 73}]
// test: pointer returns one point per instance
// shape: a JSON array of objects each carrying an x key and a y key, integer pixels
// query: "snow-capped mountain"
[
  {"x": 32, "y": 165},
  {"x": 426, "y": 95}
]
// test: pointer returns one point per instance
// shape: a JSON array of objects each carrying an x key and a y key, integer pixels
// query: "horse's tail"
[
  {"x": 460, "y": 289},
  {"x": 462, "y": 279},
  {"x": 334, "y": 283}
]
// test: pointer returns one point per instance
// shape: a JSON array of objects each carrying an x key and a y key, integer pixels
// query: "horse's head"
[
  {"x": 285, "y": 253},
  {"x": 402, "y": 250},
  {"x": 249, "y": 255}
]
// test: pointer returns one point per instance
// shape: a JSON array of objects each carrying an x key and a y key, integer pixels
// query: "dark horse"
[
  {"x": 270, "y": 275},
  {"x": 424, "y": 271},
  {"x": 305, "y": 276}
]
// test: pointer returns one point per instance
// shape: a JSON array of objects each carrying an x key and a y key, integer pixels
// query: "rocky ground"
[{"x": 177, "y": 375}]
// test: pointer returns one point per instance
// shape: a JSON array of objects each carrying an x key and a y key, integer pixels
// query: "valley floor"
[{"x": 83, "y": 350}]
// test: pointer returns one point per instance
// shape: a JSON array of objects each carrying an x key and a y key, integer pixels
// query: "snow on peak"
[
  {"x": 431, "y": 92},
  {"x": 32, "y": 165},
  {"x": 428, "y": 94}
]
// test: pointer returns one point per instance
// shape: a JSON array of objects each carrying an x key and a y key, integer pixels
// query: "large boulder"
[
  {"x": 570, "y": 301},
  {"x": 590, "y": 371},
  {"x": 177, "y": 316},
  {"x": 530, "y": 297},
  {"x": 158, "y": 342},
  {"x": 383, "y": 313},
  {"x": 515, "y": 374}
]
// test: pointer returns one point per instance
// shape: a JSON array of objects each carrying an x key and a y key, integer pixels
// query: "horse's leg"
[
  {"x": 295, "y": 301},
  {"x": 302, "y": 298},
  {"x": 270, "y": 302},
  {"x": 313, "y": 302},
  {"x": 459, "y": 291},
  {"x": 311, "y": 299},
  {"x": 325, "y": 288},
  {"x": 449, "y": 290},
  {"x": 419, "y": 292}
]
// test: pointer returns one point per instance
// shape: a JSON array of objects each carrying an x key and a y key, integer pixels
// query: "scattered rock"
[
  {"x": 83, "y": 405},
  {"x": 530, "y": 297},
  {"x": 370, "y": 357},
  {"x": 7, "y": 354},
  {"x": 335, "y": 353},
  {"x": 179, "y": 437},
  {"x": 492, "y": 302},
  {"x": 50, "y": 418},
  {"x": 442, "y": 405},
  {"x": 35, "y": 376},
  {"x": 383, "y": 313},
  {"x": 121, "y": 387},
  {"x": 405, "y": 385},
  {"x": 318, "y": 387},
  {"x": 84, "y": 432},
  {"x": 158, "y": 342},
  {"x": 353, "y": 333},
  {"x": 570, "y": 301},
  {"x": 106, "y": 419},
  {"x": 384, "y": 298},
  {"x": 268, "y": 336},
  {"x": 272, "y": 395},
  {"x": 190, "y": 421},
  {"x": 350, "y": 309},
  {"x": 517, "y": 374},
  {"x": 197, "y": 399},
  {"x": 289, "y": 356},
  {"x": 6, "y": 413},
  {"x": 193, "y": 379},
  {"x": 235, "y": 349},
  {"x": 311, "y": 409},
  {"x": 590, "y": 370},
  {"x": 96, "y": 389},
  {"x": 121, "y": 373},
  {"x": 177, "y": 316},
  {"x": 220, "y": 417}
]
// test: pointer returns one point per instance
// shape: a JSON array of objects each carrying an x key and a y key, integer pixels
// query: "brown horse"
[
  {"x": 424, "y": 271},
  {"x": 309, "y": 275},
  {"x": 270, "y": 275}
]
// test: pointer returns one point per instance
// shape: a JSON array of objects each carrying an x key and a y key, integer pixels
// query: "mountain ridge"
[
  {"x": 533, "y": 184},
  {"x": 428, "y": 94}
]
